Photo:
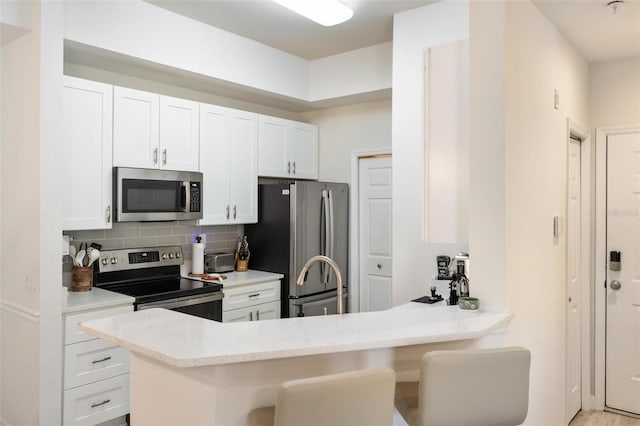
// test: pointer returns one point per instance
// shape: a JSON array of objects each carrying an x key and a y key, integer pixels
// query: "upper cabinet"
[
  {"x": 229, "y": 164},
  {"x": 287, "y": 148},
  {"x": 153, "y": 131},
  {"x": 87, "y": 164}
]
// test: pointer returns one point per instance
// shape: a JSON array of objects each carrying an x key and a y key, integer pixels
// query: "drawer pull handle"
[
  {"x": 254, "y": 295},
  {"x": 97, "y": 404},
  {"x": 107, "y": 358}
]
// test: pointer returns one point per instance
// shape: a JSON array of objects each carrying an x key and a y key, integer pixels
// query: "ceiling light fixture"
[
  {"x": 613, "y": 5},
  {"x": 324, "y": 12}
]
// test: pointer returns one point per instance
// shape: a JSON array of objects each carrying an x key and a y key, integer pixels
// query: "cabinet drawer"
[
  {"x": 263, "y": 311},
  {"x": 93, "y": 360},
  {"x": 72, "y": 332},
  {"x": 249, "y": 295},
  {"x": 97, "y": 402}
]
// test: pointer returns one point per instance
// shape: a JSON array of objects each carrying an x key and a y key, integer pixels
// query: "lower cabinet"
[
  {"x": 251, "y": 302},
  {"x": 95, "y": 374}
]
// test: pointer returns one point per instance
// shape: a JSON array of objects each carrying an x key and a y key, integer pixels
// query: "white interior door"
[
  {"x": 623, "y": 287},
  {"x": 573, "y": 368},
  {"x": 375, "y": 203}
]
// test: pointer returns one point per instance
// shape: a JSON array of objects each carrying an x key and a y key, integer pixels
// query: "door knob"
[
  {"x": 615, "y": 285},
  {"x": 379, "y": 266}
]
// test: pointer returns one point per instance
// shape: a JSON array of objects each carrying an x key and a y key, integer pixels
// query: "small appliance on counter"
[
  {"x": 219, "y": 262},
  {"x": 459, "y": 285}
]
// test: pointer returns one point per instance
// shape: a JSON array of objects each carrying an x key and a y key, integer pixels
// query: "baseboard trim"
[{"x": 20, "y": 311}]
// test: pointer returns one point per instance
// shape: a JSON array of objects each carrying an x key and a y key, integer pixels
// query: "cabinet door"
[
  {"x": 272, "y": 147},
  {"x": 243, "y": 166},
  {"x": 268, "y": 311},
  {"x": 86, "y": 180},
  {"x": 135, "y": 128},
  {"x": 179, "y": 137},
  {"x": 214, "y": 165},
  {"x": 303, "y": 146},
  {"x": 239, "y": 315}
]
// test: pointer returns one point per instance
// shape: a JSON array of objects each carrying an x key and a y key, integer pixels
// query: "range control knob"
[
  {"x": 170, "y": 255},
  {"x": 114, "y": 260},
  {"x": 105, "y": 261},
  {"x": 164, "y": 256},
  {"x": 178, "y": 255}
]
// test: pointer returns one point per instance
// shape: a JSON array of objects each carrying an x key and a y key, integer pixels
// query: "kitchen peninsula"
[{"x": 191, "y": 371}]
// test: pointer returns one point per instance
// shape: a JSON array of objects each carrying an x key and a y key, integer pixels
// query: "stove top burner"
[{"x": 150, "y": 291}]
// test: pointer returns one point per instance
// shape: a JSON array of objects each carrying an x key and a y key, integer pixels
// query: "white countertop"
[
  {"x": 96, "y": 298},
  {"x": 243, "y": 278},
  {"x": 186, "y": 341}
]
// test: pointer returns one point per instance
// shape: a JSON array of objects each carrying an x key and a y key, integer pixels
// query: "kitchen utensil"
[
  {"x": 93, "y": 255},
  {"x": 79, "y": 260},
  {"x": 72, "y": 252}
]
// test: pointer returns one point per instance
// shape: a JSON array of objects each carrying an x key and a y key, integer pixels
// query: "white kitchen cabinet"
[
  {"x": 136, "y": 127},
  {"x": 251, "y": 302},
  {"x": 229, "y": 164},
  {"x": 95, "y": 372},
  {"x": 87, "y": 164},
  {"x": 153, "y": 131},
  {"x": 287, "y": 148},
  {"x": 179, "y": 138}
]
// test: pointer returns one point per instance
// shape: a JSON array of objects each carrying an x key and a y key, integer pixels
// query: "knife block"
[{"x": 82, "y": 278}]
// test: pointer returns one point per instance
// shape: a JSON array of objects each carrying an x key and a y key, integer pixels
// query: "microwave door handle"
[{"x": 185, "y": 196}]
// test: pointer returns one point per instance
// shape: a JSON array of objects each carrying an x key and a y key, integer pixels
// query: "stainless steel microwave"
[{"x": 147, "y": 195}]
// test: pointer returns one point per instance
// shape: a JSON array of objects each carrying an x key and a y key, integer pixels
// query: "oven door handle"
[{"x": 181, "y": 302}]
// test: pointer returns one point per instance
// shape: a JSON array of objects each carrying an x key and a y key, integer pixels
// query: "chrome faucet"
[{"x": 336, "y": 269}]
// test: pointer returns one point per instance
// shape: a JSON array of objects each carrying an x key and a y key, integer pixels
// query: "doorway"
[
  {"x": 618, "y": 269},
  {"x": 371, "y": 231}
]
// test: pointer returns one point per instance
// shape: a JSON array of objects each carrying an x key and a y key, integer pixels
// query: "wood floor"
[{"x": 602, "y": 418}]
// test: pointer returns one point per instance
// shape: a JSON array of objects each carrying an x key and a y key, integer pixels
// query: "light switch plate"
[{"x": 65, "y": 245}]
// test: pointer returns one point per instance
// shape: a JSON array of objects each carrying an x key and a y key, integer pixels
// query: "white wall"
[
  {"x": 359, "y": 71},
  {"x": 530, "y": 188},
  {"x": 615, "y": 93},
  {"x": 347, "y": 129},
  {"x": 20, "y": 229},
  {"x": 414, "y": 262}
]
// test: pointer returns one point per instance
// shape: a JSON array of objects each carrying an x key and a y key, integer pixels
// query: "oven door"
[
  {"x": 207, "y": 306},
  {"x": 149, "y": 195}
]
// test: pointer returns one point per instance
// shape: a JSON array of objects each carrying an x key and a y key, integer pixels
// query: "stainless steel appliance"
[
  {"x": 143, "y": 195},
  {"x": 299, "y": 220},
  {"x": 152, "y": 276},
  {"x": 219, "y": 262}
]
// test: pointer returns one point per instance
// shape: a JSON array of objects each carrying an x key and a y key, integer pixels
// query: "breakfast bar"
[{"x": 192, "y": 371}]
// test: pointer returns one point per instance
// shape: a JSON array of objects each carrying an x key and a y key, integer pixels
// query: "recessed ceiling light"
[
  {"x": 613, "y": 5},
  {"x": 324, "y": 12}
]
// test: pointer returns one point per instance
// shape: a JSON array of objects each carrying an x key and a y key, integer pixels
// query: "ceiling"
[
  {"x": 590, "y": 26},
  {"x": 275, "y": 26}
]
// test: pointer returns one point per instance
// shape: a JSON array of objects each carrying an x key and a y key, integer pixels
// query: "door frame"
[
  {"x": 585, "y": 255},
  {"x": 600, "y": 260},
  {"x": 354, "y": 224}
]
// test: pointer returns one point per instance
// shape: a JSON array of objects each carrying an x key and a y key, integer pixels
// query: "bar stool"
[
  {"x": 488, "y": 387},
  {"x": 363, "y": 397}
]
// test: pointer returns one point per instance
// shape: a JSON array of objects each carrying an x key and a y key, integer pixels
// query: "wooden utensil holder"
[
  {"x": 82, "y": 278},
  {"x": 242, "y": 265}
]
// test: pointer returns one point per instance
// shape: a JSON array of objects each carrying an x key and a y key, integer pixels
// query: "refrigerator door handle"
[
  {"x": 331, "y": 233},
  {"x": 323, "y": 233},
  {"x": 326, "y": 240}
]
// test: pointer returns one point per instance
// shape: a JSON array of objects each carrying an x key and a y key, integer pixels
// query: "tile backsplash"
[{"x": 151, "y": 234}]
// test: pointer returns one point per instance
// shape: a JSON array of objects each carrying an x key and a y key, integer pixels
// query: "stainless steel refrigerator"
[{"x": 298, "y": 220}]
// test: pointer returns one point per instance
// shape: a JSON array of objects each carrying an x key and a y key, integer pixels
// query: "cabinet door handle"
[
  {"x": 155, "y": 156},
  {"x": 254, "y": 295},
  {"x": 235, "y": 212},
  {"x": 164, "y": 157},
  {"x": 289, "y": 167},
  {"x": 108, "y": 214},
  {"x": 227, "y": 212},
  {"x": 97, "y": 361},
  {"x": 294, "y": 167},
  {"x": 257, "y": 315},
  {"x": 251, "y": 316},
  {"x": 97, "y": 404}
]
